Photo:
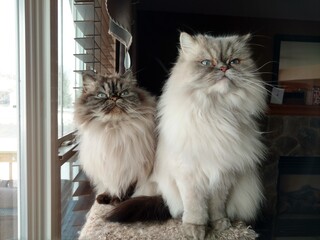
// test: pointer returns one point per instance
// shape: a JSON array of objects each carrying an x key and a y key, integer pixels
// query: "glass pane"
[
  {"x": 8, "y": 120},
  {"x": 66, "y": 95},
  {"x": 69, "y": 230},
  {"x": 66, "y": 63}
]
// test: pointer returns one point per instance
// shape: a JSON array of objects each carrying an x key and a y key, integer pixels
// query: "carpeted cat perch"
[{"x": 96, "y": 228}]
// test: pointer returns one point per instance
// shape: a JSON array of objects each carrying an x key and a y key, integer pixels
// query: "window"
[
  {"x": 28, "y": 131},
  {"x": 66, "y": 66},
  {"x": 66, "y": 96},
  {"x": 35, "y": 110},
  {"x": 9, "y": 120},
  {"x": 84, "y": 46}
]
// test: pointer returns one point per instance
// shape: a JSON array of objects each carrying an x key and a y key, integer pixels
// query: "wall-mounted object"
[{"x": 297, "y": 64}]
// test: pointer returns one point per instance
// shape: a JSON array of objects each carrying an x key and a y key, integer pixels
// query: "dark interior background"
[{"x": 157, "y": 25}]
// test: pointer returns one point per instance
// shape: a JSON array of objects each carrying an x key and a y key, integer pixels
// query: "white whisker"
[{"x": 260, "y": 87}]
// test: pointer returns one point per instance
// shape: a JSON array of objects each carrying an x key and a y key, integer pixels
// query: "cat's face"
[
  {"x": 219, "y": 64},
  {"x": 109, "y": 95}
]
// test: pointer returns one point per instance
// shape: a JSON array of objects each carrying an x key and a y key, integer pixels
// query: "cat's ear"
[
  {"x": 245, "y": 38},
  {"x": 88, "y": 82},
  {"x": 128, "y": 76},
  {"x": 186, "y": 42}
]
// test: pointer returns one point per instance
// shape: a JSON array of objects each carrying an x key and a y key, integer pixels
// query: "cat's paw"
[
  {"x": 194, "y": 232},
  {"x": 221, "y": 224},
  {"x": 115, "y": 201},
  {"x": 103, "y": 198}
]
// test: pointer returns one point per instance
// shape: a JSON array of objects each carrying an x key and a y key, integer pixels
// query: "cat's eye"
[
  {"x": 124, "y": 93},
  {"x": 206, "y": 62},
  {"x": 235, "y": 61},
  {"x": 101, "y": 95}
]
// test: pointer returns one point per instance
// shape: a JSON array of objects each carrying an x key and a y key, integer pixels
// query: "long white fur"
[
  {"x": 114, "y": 157},
  {"x": 208, "y": 137}
]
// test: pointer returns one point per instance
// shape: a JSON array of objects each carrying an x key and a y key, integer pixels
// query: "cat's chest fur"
[
  {"x": 114, "y": 155},
  {"x": 209, "y": 134}
]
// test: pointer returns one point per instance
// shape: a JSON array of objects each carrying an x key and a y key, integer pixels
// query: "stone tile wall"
[{"x": 287, "y": 136}]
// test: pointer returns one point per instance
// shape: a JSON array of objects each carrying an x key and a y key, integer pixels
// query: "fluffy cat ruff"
[{"x": 116, "y": 149}]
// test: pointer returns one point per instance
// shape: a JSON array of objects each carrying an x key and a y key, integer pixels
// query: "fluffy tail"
[{"x": 140, "y": 209}]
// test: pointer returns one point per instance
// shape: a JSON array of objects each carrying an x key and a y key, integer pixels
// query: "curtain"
[{"x": 120, "y": 28}]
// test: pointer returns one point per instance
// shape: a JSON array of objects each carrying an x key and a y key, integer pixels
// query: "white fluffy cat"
[{"x": 209, "y": 146}]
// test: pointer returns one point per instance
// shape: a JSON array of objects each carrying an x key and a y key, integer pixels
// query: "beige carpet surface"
[{"x": 96, "y": 227}]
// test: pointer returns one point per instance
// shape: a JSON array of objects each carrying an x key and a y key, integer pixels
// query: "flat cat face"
[
  {"x": 220, "y": 64},
  {"x": 109, "y": 95}
]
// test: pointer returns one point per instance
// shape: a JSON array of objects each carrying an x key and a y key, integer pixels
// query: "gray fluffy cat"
[
  {"x": 116, "y": 126},
  {"x": 209, "y": 145}
]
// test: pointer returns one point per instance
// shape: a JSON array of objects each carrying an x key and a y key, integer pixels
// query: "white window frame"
[{"x": 39, "y": 185}]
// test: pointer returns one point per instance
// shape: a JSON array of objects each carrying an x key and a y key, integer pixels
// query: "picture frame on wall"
[{"x": 296, "y": 68}]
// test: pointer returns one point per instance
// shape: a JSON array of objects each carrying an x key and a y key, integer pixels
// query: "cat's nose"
[
  {"x": 223, "y": 68},
  {"x": 114, "y": 98}
]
